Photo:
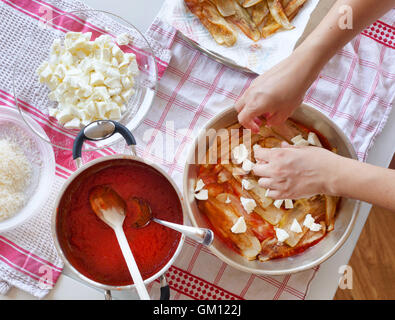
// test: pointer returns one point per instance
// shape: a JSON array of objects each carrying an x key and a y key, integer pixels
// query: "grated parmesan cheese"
[{"x": 15, "y": 175}]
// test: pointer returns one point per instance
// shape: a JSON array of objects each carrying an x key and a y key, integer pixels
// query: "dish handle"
[
  {"x": 164, "y": 290},
  {"x": 100, "y": 130}
]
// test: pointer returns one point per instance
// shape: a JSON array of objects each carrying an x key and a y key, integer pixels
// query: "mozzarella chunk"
[
  {"x": 288, "y": 204},
  {"x": 97, "y": 78},
  {"x": 240, "y": 226},
  {"x": 239, "y": 154},
  {"x": 299, "y": 141},
  {"x": 278, "y": 203},
  {"x": 247, "y": 165},
  {"x": 295, "y": 226},
  {"x": 314, "y": 140},
  {"x": 199, "y": 185},
  {"x": 202, "y": 194},
  {"x": 281, "y": 234},
  {"x": 248, "y": 204},
  {"x": 86, "y": 79},
  {"x": 310, "y": 223},
  {"x": 123, "y": 39},
  {"x": 247, "y": 184}
]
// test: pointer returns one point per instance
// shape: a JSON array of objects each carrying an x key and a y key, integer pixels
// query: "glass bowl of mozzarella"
[{"x": 81, "y": 66}]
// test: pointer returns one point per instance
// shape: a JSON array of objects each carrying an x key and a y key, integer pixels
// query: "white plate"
[{"x": 42, "y": 159}]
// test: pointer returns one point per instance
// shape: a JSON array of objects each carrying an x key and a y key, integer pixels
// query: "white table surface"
[{"x": 325, "y": 284}]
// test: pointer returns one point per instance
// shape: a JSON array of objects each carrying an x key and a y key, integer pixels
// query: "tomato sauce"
[{"x": 91, "y": 246}]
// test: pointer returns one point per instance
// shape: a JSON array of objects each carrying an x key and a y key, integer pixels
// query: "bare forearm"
[
  {"x": 332, "y": 33},
  {"x": 357, "y": 180},
  {"x": 275, "y": 94}
]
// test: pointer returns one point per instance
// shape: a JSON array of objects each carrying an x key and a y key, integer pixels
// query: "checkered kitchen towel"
[
  {"x": 356, "y": 90},
  {"x": 28, "y": 259}
]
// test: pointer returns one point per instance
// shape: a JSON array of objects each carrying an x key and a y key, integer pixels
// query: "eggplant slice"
[
  {"x": 223, "y": 217},
  {"x": 242, "y": 19},
  {"x": 259, "y": 12},
  {"x": 209, "y": 16},
  {"x": 225, "y": 7}
]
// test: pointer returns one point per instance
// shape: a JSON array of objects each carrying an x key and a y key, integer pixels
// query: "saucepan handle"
[
  {"x": 100, "y": 130},
  {"x": 164, "y": 290}
]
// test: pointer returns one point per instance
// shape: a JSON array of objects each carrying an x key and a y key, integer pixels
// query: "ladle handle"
[
  {"x": 101, "y": 130},
  {"x": 131, "y": 263},
  {"x": 201, "y": 235}
]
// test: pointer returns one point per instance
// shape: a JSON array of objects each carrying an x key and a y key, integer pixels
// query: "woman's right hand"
[
  {"x": 275, "y": 94},
  {"x": 294, "y": 172}
]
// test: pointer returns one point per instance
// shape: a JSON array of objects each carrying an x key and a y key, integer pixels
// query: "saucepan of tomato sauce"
[{"x": 87, "y": 245}]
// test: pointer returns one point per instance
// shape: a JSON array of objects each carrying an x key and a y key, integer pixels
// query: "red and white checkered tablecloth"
[{"x": 356, "y": 89}]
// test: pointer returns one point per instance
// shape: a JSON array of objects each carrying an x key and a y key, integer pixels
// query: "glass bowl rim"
[{"x": 154, "y": 87}]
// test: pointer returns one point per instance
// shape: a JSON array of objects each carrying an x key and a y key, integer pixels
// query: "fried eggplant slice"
[
  {"x": 222, "y": 216},
  {"x": 316, "y": 206},
  {"x": 225, "y": 7},
  {"x": 261, "y": 229},
  {"x": 259, "y": 12},
  {"x": 271, "y": 142},
  {"x": 272, "y": 249},
  {"x": 278, "y": 14},
  {"x": 249, "y": 3},
  {"x": 289, "y": 129},
  {"x": 243, "y": 20},
  {"x": 270, "y": 27},
  {"x": 312, "y": 236},
  {"x": 209, "y": 16},
  {"x": 331, "y": 204},
  {"x": 219, "y": 150},
  {"x": 257, "y": 193},
  {"x": 291, "y": 10},
  {"x": 299, "y": 213}
]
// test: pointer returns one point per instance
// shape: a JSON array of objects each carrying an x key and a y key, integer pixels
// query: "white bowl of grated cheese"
[{"x": 27, "y": 168}]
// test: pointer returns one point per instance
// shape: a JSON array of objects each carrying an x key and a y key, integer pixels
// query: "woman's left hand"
[{"x": 294, "y": 172}]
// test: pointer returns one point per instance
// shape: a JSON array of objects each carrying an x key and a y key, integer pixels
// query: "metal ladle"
[{"x": 145, "y": 216}]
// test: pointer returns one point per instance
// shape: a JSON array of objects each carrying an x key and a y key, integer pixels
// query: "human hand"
[
  {"x": 277, "y": 93},
  {"x": 294, "y": 172}
]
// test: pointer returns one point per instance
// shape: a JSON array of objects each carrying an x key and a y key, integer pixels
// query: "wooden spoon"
[{"x": 110, "y": 208}]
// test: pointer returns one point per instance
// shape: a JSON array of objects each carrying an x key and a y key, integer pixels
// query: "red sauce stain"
[{"x": 91, "y": 246}]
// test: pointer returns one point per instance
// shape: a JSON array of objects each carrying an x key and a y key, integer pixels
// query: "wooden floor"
[{"x": 373, "y": 260}]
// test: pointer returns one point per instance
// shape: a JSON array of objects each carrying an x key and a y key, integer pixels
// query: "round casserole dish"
[{"x": 313, "y": 256}]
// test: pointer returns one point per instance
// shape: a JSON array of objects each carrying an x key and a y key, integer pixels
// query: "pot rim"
[
  {"x": 252, "y": 270},
  {"x": 70, "y": 179}
]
